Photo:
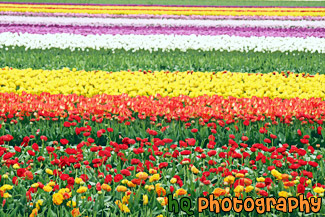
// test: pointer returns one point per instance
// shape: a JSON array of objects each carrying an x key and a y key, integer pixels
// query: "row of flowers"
[
  {"x": 182, "y": 108},
  {"x": 139, "y": 83},
  {"x": 123, "y": 26},
  {"x": 156, "y": 30},
  {"x": 160, "y": 5},
  {"x": 164, "y": 42},
  {"x": 149, "y": 16},
  {"x": 56, "y": 158},
  {"x": 76, "y": 21},
  {"x": 162, "y": 10}
]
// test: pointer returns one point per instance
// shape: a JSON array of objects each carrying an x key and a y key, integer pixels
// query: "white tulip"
[
  {"x": 86, "y": 21},
  {"x": 164, "y": 42}
]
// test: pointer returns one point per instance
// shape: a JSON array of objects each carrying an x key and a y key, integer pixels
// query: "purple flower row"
[
  {"x": 155, "y": 5},
  {"x": 148, "y": 16},
  {"x": 154, "y": 30}
]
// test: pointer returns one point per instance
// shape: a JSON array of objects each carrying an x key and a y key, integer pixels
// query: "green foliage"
[
  {"x": 254, "y": 62},
  {"x": 176, "y": 131}
]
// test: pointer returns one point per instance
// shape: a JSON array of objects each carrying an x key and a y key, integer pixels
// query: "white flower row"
[
  {"x": 86, "y": 21},
  {"x": 164, "y": 42}
]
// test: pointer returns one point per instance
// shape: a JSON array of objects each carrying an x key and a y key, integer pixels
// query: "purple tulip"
[{"x": 180, "y": 30}]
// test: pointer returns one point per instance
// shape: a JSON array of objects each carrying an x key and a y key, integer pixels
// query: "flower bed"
[
  {"x": 147, "y": 116},
  {"x": 143, "y": 83},
  {"x": 95, "y": 152}
]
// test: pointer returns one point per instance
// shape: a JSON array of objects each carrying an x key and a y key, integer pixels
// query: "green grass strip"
[{"x": 255, "y": 62}]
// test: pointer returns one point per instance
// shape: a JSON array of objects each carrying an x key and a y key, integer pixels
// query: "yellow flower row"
[
  {"x": 172, "y": 84},
  {"x": 159, "y": 10}
]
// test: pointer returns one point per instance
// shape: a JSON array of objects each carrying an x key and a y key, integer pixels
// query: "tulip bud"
[
  {"x": 35, "y": 185},
  {"x": 297, "y": 177},
  {"x": 16, "y": 166},
  {"x": 99, "y": 192},
  {"x": 185, "y": 162}
]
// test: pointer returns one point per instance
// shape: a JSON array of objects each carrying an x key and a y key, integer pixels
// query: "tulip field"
[{"x": 121, "y": 110}]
